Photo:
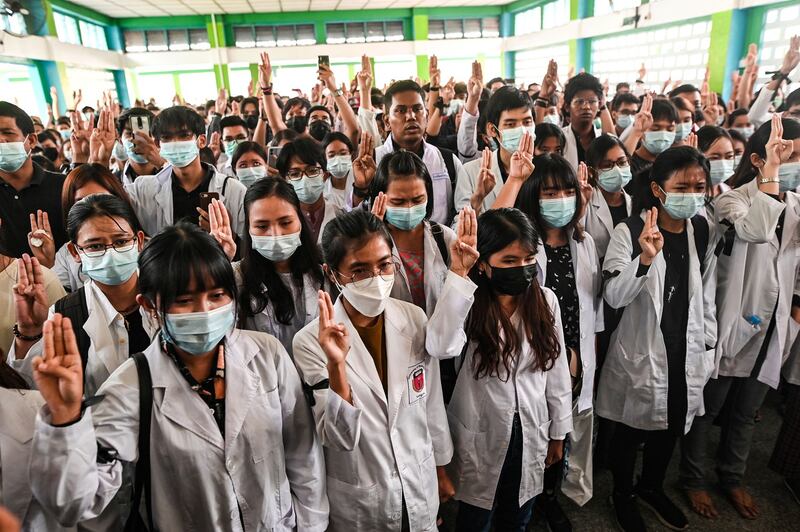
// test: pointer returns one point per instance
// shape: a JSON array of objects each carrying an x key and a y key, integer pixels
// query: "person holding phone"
[{"x": 134, "y": 131}]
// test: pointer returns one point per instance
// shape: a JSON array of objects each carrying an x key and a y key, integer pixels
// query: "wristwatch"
[{"x": 767, "y": 180}]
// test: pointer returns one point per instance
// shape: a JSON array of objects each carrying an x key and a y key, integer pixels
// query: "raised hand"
[
  {"x": 792, "y": 57},
  {"x": 215, "y": 145},
  {"x": 434, "y": 72},
  {"x": 144, "y": 145},
  {"x": 40, "y": 239},
  {"x": 643, "y": 119},
  {"x": 325, "y": 75},
  {"x": 485, "y": 182},
  {"x": 30, "y": 297},
  {"x": 550, "y": 80},
  {"x": 691, "y": 140},
  {"x": 651, "y": 241},
  {"x": 264, "y": 70},
  {"x": 379, "y": 206},
  {"x": 778, "y": 150},
  {"x": 220, "y": 227},
  {"x": 81, "y": 131},
  {"x": 221, "y": 104},
  {"x": 642, "y": 72},
  {"x": 235, "y": 109},
  {"x": 522, "y": 159},
  {"x": 333, "y": 337},
  {"x": 102, "y": 139},
  {"x": 710, "y": 108},
  {"x": 58, "y": 373},
  {"x": 464, "y": 250},
  {"x": 586, "y": 189},
  {"x": 364, "y": 167}
]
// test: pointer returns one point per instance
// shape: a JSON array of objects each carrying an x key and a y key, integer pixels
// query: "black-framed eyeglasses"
[
  {"x": 296, "y": 174},
  {"x": 361, "y": 276},
  {"x": 121, "y": 245},
  {"x": 622, "y": 162}
]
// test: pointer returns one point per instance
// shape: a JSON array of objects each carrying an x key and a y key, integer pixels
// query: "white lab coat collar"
[
  {"x": 330, "y": 213},
  {"x": 604, "y": 211},
  {"x": 571, "y": 147}
]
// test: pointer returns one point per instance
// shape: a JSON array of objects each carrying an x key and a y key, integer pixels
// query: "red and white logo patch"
[{"x": 416, "y": 383}]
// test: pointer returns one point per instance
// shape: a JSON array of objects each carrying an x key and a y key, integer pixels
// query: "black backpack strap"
[
  {"x": 438, "y": 236},
  {"x": 700, "y": 226},
  {"x": 224, "y": 186},
  {"x": 450, "y": 164},
  {"x": 73, "y": 306},
  {"x": 635, "y": 226},
  {"x": 142, "y": 482}
]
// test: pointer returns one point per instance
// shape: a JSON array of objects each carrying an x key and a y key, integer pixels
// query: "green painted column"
[
  {"x": 320, "y": 32},
  {"x": 254, "y": 76},
  {"x": 176, "y": 81},
  {"x": 216, "y": 38},
  {"x": 419, "y": 23},
  {"x": 50, "y": 73},
  {"x": 727, "y": 44},
  {"x": 580, "y": 49}
]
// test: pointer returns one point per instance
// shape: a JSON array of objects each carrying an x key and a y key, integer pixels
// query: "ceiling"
[{"x": 161, "y": 8}]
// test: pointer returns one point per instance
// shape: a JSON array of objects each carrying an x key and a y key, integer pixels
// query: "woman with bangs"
[{"x": 236, "y": 447}]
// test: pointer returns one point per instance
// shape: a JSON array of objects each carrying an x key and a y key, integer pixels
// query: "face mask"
[
  {"x": 746, "y": 132},
  {"x": 180, "y": 154},
  {"x": 552, "y": 119},
  {"x": 597, "y": 123},
  {"x": 455, "y": 106},
  {"x": 658, "y": 141},
  {"x": 113, "y": 267},
  {"x": 557, "y": 212},
  {"x": 624, "y": 121},
  {"x": 789, "y": 174},
  {"x": 682, "y": 130},
  {"x": 340, "y": 165},
  {"x": 230, "y": 147},
  {"x": 120, "y": 153},
  {"x": 511, "y": 137},
  {"x": 276, "y": 248},
  {"x": 370, "y": 297},
  {"x": 682, "y": 206},
  {"x": 318, "y": 129},
  {"x": 737, "y": 159},
  {"x": 251, "y": 121},
  {"x": 512, "y": 281},
  {"x": 65, "y": 133},
  {"x": 721, "y": 170},
  {"x": 308, "y": 189},
  {"x": 615, "y": 179},
  {"x": 198, "y": 333},
  {"x": 12, "y": 156},
  {"x": 51, "y": 153},
  {"x": 720, "y": 120},
  {"x": 248, "y": 176},
  {"x": 135, "y": 157},
  {"x": 406, "y": 218},
  {"x": 298, "y": 123}
]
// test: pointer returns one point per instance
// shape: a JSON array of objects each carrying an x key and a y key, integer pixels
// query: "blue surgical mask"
[
  {"x": 12, "y": 156},
  {"x": 248, "y": 176},
  {"x": 135, "y": 157},
  {"x": 720, "y": 120},
  {"x": 308, "y": 189},
  {"x": 682, "y": 130},
  {"x": 737, "y": 159},
  {"x": 113, "y": 267},
  {"x": 658, "y": 141},
  {"x": 624, "y": 121},
  {"x": 180, "y": 154},
  {"x": 721, "y": 170},
  {"x": 615, "y": 179},
  {"x": 511, "y": 137},
  {"x": 406, "y": 218},
  {"x": 120, "y": 153},
  {"x": 746, "y": 132},
  {"x": 198, "y": 333},
  {"x": 682, "y": 206},
  {"x": 276, "y": 248},
  {"x": 65, "y": 133},
  {"x": 230, "y": 147},
  {"x": 340, "y": 165},
  {"x": 552, "y": 119},
  {"x": 789, "y": 174},
  {"x": 557, "y": 212}
]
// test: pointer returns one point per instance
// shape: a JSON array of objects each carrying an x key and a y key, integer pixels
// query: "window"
[
  {"x": 555, "y": 14},
  {"x": 135, "y": 42},
  {"x": 528, "y": 21},
  {"x": 271, "y": 36},
  {"x": 198, "y": 40},
  {"x": 75, "y": 31},
  {"x": 92, "y": 35},
  {"x": 604, "y": 7},
  {"x": 67, "y": 28},
  {"x": 13, "y": 24},
  {"x": 355, "y": 32},
  {"x": 175, "y": 40},
  {"x": 470, "y": 28},
  {"x": 780, "y": 24},
  {"x": 336, "y": 33},
  {"x": 178, "y": 40},
  {"x": 530, "y": 66},
  {"x": 157, "y": 41},
  {"x": 359, "y": 32}
]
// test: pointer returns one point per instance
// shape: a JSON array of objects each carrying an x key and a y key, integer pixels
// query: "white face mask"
[
  {"x": 276, "y": 248},
  {"x": 368, "y": 297}
]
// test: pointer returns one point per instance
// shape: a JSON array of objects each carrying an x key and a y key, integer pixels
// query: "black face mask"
[
  {"x": 298, "y": 123},
  {"x": 318, "y": 129},
  {"x": 251, "y": 121},
  {"x": 512, "y": 281},
  {"x": 50, "y": 153}
]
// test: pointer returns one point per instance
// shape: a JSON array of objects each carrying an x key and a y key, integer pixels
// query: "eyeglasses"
[
  {"x": 580, "y": 102},
  {"x": 361, "y": 276},
  {"x": 296, "y": 175},
  {"x": 98, "y": 250},
  {"x": 622, "y": 162}
]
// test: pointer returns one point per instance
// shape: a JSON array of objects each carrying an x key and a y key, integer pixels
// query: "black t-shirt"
[
  {"x": 138, "y": 340},
  {"x": 43, "y": 192},
  {"x": 618, "y": 213},
  {"x": 639, "y": 165},
  {"x": 561, "y": 280},
  {"x": 185, "y": 204}
]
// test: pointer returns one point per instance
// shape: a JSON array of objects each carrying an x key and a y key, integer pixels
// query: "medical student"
[
  {"x": 249, "y": 162},
  {"x": 654, "y": 126},
  {"x": 760, "y": 218},
  {"x": 548, "y": 138},
  {"x": 339, "y": 152},
  {"x": 141, "y": 153},
  {"x": 510, "y": 410},
  {"x": 377, "y": 399},
  {"x": 18, "y": 408},
  {"x": 685, "y": 123},
  {"x": 235, "y": 441},
  {"x": 173, "y": 194},
  {"x": 509, "y": 116},
  {"x": 568, "y": 265},
  {"x": 661, "y": 354},
  {"x": 402, "y": 196},
  {"x": 302, "y": 163},
  {"x": 233, "y": 131},
  {"x": 280, "y": 274},
  {"x": 739, "y": 143},
  {"x": 716, "y": 144},
  {"x": 624, "y": 107},
  {"x": 740, "y": 122},
  {"x": 583, "y": 101}
]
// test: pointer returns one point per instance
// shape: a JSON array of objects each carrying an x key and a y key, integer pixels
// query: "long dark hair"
[
  {"x": 757, "y": 144},
  {"x": 258, "y": 271},
  {"x": 497, "y": 229},
  {"x": 664, "y": 167},
  {"x": 96, "y": 206},
  {"x": 401, "y": 164},
  {"x": 598, "y": 150},
  {"x": 9, "y": 378}
]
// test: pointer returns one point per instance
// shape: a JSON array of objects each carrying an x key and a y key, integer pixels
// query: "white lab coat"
[
  {"x": 331, "y": 211},
  {"x": 109, "y": 341},
  {"x": 633, "y": 381},
  {"x": 435, "y": 269},
  {"x": 342, "y": 199},
  {"x": 265, "y": 474},
  {"x": 151, "y": 196},
  {"x": 571, "y": 147},
  {"x": 68, "y": 271},
  {"x": 467, "y": 179},
  {"x": 754, "y": 276},
  {"x": 384, "y": 448},
  {"x": 598, "y": 221},
  {"x": 481, "y": 414},
  {"x": 17, "y": 416}
]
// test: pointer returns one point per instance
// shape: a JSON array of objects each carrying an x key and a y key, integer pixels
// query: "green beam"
[
  {"x": 721, "y": 23},
  {"x": 176, "y": 80},
  {"x": 163, "y": 23},
  {"x": 81, "y": 12},
  {"x": 320, "y": 32},
  {"x": 754, "y": 27}
]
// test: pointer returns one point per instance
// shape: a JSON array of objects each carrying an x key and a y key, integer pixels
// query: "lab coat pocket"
[
  {"x": 743, "y": 332},
  {"x": 465, "y": 459},
  {"x": 637, "y": 367},
  {"x": 542, "y": 442},
  {"x": 353, "y": 507},
  {"x": 709, "y": 364}
]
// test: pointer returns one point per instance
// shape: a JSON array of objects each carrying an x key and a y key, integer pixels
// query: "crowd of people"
[{"x": 345, "y": 310}]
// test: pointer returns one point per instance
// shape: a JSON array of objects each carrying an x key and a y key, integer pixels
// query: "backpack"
[
  {"x": 438, "y": 236},
  {"x": 73, "y": 306},
  {"x": 135, "y": 523}
]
